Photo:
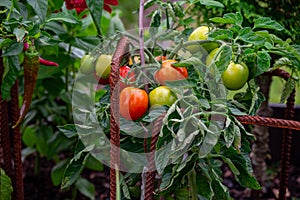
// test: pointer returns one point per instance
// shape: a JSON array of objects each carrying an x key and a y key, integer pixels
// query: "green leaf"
[
  {"x": 288, "y": 88},
  {"x": 94, "y": 164},
  {"x": 242, "y": 163},
  {"x": 29, "y": 136},
  {"x": 149, "y": 3},
  {"x": 62, "y": 16},
  {"x": 229, "y": 134},
  {"x": 6, "y": 3},
  {"x": 12, "y": 68},
  {"x": 6, "y": 188},
  {"x": 211, "y": 3},
  {"x": 40, "y": 7},
  {"x": 282, "y": 62},
  {"x": 86, "y": 188},
  {"x": 14, "y": 49},
  {"x": 224, "y": 58},
  {"x": 95, "y": 7},
  {"x": 204, "y": 187},
  {"x": 247, "y": 35},
  {"x": 267, "y": 23},
  {"x": 229, "y": 18},
  {"x": 74, "y": 169},
  {"x": 19, "y": 33},
  {"x": 69, "y": 130},
  {"x": 221, "y": 34},
  {"x": 263, "y": 62},
  {"x": 182, "y": 194},
  {"x": 57, "y": 172},
  {"x": 210, "y": 140},
  {"x": 155, "y": 20}
]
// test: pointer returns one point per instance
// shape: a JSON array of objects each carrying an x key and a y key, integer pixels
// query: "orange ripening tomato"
[
  {"x": 170, "y": 73},
  {"x": 133, "y": 103}
]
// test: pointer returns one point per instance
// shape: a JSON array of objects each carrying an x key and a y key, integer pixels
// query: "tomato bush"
[{"x": 192, "y": 147}]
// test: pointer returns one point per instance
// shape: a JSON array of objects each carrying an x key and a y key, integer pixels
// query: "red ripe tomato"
[
  {"x": 170, "y": 73},
  {"x": 124, "y": 70},
  {"x": 133, "y": 103}
]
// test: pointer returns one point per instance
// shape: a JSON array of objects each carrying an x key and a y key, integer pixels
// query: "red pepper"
[
  {"x": 31, "y": 68},
  {"x": 47, "y": 62}
]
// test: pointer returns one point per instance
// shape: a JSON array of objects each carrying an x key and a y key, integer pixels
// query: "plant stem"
[
  {"x": 141, "y": 32},
  {"x": 193, "y": 185}
]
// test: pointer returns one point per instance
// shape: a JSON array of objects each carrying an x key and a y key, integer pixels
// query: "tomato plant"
[
  {"x": 192, "y": 147},
  {"x": 133, "y": 103}
]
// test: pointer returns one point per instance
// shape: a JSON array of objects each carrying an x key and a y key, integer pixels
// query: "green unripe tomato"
[
  {"x": 161, "y": 96},
  {"x": 211, "y": 56},
  {"x": 201, "y": 33},
  {"x": 235, "y": 76},
  {"x": 103, "y": 66},
  {"x": 86, "y": 64}
]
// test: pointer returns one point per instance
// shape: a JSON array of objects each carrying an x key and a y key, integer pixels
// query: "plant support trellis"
[{"x": 288, "y": 124}]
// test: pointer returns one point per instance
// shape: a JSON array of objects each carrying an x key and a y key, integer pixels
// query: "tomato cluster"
[
  {"x": 235, "y": 75},
  {"x": 134, "y": 102}
]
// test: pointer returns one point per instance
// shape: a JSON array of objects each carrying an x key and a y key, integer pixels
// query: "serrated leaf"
[
  {"x": 282, "y": 62},
  {"x": 268, "y": 23},
  {"x": 211, "y": 3},
  {"x": 263, "y": 62},
  {"x": 62, "y": 16},
  {"x": 242, "y": 163},
  {"x": 6, "y": 188},
  {"x": 247, "y": 35},
  {"x": 221, "y": 34},
  {"x": 224, "y": 58},
  {"x": 40, "y": 7},
  {"x": 229, "y": 18},
  {"x": 288, "y": 88}
]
